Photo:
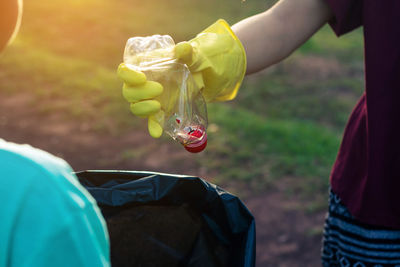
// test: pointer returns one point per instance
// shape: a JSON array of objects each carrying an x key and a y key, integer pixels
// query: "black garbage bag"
[{"x": 157, "y": 219}]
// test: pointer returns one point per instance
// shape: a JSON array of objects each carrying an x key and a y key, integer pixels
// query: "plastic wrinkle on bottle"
[{"x": 184, "y": 113}]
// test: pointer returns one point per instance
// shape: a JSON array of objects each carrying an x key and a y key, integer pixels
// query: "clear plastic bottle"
[{"x": 184, "y": 112}]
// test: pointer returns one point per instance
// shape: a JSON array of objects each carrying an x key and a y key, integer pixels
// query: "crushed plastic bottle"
[{"x": 184, "y": 112}]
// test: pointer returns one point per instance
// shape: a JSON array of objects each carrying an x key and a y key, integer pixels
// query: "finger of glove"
[
  {"x": 131, "y": 76},
  {"x": 154, "y": 127},
  {"x": 144, "y": 91},
  {"x": 145, "y": 108},
  {"x": 184, "y": 52}
]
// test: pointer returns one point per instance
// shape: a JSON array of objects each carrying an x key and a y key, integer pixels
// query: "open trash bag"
[{"x": 157, "y": 219}]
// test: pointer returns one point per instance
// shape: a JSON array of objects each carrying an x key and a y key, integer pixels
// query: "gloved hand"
[
  {"x": 140, "y": 92},
  {"x": 217, "y": 61}
]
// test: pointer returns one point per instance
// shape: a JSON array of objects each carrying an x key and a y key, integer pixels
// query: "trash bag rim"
[{"x": 225, "y": 209}]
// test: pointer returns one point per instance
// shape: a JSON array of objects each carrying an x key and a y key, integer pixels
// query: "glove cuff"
[{"x": 230, "y": 92}]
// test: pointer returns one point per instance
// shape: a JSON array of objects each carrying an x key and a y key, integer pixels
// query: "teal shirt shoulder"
[{"x": 47, "y": 217}]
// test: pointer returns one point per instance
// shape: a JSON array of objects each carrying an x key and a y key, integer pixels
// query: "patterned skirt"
[{"x": 350, "y": 243}]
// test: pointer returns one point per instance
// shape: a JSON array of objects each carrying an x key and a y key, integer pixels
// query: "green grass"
[
  {"x": 347, "y": 48},
  {"x": 72, "y": 87},
  {"x": 286, "y": 123},
  {"x": 250, "y": 147}
]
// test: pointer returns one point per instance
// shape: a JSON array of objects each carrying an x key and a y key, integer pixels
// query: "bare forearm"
[{"x": 273, "y": 35}]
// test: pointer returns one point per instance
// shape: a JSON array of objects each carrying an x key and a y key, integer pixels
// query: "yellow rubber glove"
[
  {"x": 217, "y": 60},
  {"x": 140, "y": 92}
]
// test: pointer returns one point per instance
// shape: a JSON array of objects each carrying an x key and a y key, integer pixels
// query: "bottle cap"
[
  {"x": 197, "y": 146},
  {"x": 194, "y": 139}
]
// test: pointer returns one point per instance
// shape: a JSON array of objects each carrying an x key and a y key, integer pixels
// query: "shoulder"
[
  {"x": 25, "y": 169},
  {"x": 45, "y": 204},
  {"x": 31, "y": 157}
]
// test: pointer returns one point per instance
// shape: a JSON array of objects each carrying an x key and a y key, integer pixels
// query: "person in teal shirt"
[{"x": 46, "y": 217}]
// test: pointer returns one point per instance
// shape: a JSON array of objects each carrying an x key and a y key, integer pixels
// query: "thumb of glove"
[{"x": 184, "y": 52}]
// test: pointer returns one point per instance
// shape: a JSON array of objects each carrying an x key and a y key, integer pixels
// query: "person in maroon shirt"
[
  {"x": 363, "y": 224},
  {"x": 366, "y": 174}
]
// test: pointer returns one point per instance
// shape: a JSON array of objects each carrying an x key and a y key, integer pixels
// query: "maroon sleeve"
[{"x": 347, "y": 15}]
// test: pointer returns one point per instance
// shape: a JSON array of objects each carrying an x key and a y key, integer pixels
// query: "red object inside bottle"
[{"x": 200, "y": 145}]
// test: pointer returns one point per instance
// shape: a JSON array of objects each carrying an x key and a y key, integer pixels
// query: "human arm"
[
  {"x": 77, "y": 239},
  {"x": 273, "y": 35},
  {"x": 217, "y": 59}
]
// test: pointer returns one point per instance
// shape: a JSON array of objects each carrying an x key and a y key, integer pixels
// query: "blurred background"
[{"x": 273, "y": 146}]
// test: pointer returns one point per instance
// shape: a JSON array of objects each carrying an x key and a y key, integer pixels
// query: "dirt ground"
[{"x": 286, "y": 235}]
